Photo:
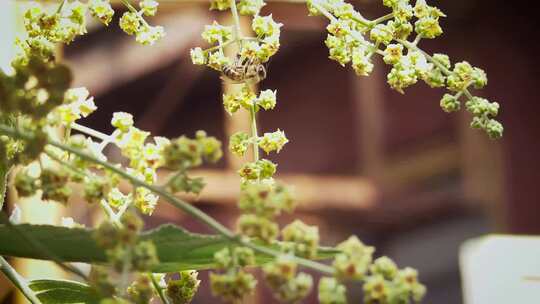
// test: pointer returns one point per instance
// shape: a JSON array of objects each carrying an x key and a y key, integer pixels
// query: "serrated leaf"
[
  {"x": 64, "y": 292},
  {"x": 4, "y": 170},
  {"x": 177, "y": 248}
]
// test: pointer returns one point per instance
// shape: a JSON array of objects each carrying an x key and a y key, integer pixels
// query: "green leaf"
[
  {"x": 64, "y": 292},
  {"x": 177, "y": 248},
  {"x": 4, "y": 170}
]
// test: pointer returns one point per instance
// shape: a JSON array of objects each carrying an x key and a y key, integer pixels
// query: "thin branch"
[
  {"x": 381, "y": 19},
  {"x": 90, "y": 131},
  {"x": 237, "y": 29},
  {"x": 18, "y": 281},
  {"x": 253, "y": 120},
  {"x": 158, "y": 289}
]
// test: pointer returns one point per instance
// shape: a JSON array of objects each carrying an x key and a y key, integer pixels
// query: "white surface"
[{"x": 501, "y": 269}]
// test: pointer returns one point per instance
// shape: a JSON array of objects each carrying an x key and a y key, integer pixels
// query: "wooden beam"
[
  {"x": 424, "y": 162},
  {"x": 483, "y": 172},
  {"x": 112, "y": 63},
  {"x": 368, "y": 96},
  {"x": 311, "y": 192}
]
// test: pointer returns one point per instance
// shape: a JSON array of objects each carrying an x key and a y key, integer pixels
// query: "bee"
[{"x": 244, "y": 69}]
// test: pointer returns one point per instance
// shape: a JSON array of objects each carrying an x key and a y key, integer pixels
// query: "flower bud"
[
  {"x": 148, "y": 7},
  {"x": 220, "y": 5},
  {"x": 273, "y": 141},
  {"x": 450, "y": 103},
  {"x": 393, "y": 53},
  {"x": 250, "y": 7},
  {"x": 354, "y": 260},
  {"x": 232, "y": 286},
  {"x": 428, "y": 27},
  {"x": 385, "y": 267},
  {"x": 54, "y": 185},
  {"x": 130, "y": 23},
  {"x": 141, "y": 290},
  {"x": 301, "y": 239},
  {"x": 148, "y": 35},
  {"x": 183, "y": 290},
  {"x": 265, "y": 26},
  {"x": 286, "y": 285},
  {"x": 25, "y": 184},
  {"x": 102, "y": 10},
  {"x": 144, "y": 256},
  {"x": 217, "y": 33},
  {"x": 267, "y": 99},
  {"x": 198, "y": 56},
  {"x": 381, "y": 34},
  {"x": 331, "y": 291},
  {"x": 122, "y": 121},
  {"x": 239, "y": 143},
  {"x": 96, "y": 189},
  {"x": 257, "y": 227}
]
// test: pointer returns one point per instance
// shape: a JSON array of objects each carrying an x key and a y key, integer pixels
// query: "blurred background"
[{"x": 393, "y": 169}]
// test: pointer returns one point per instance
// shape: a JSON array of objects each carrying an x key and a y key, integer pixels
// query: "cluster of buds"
[
  {"x": 245, "y": 7},
  {"x": 331, "y": 291},
  {"x": 183, "y": 289},
  {"x": 383, "y": 281},
  {"x": 184, "y": 153},
  {"x": 260, "y": 203},
  {"x": 145, "y": 158},
  {"x": 141, "y": 291},
  {"x": 52, "y": 183},
  {"x": 102, "y": 10},
  {"x": 354, "y": 260},
  {"x": 69, "y": 21},
  {"x": 63, "y": 25},
  {"x": 133, "y": 23},
  {"x": 301, "y": 239},
  {"x": 123, "y": 246},
  {"x": 233, "y": 284},
  {"x": 35, "y": 88},
  {"x": 354, "y": 39},
  {"x": 388, "y": 284},
  {"x": 77, "y": 104},
  {"x": 246, "y": 99},
  {"x": 287, "y": 285},
  {"x": 256, "y": 49}
]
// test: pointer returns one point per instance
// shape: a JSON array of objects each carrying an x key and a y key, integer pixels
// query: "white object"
[{"x": 501, "y": 269}]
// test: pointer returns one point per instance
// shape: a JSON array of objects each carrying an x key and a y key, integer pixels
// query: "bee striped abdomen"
[{"x": 244, "y": 69}]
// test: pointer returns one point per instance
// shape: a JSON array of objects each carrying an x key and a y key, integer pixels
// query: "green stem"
[
  {"x": 191, "y": 210},
  {"x": 323, "y": 268},
  {"x": 444, "y": 70},
  {"x": 381, "y": 19},
  {"x": 59, "y": 9},
  {"x": 108, "y": 211},
  {"x": 253, "y": 122},
  {"x": 126, "y": 268},
  {"x": 237, "y": 29},
  {"x": 64, "y": 163},
  {"x": 18, "y": 281},
  {"x": 90, "y": 131},
  {"x": 158, "y": 289}
]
